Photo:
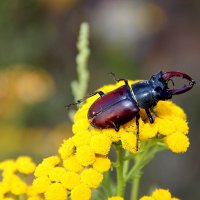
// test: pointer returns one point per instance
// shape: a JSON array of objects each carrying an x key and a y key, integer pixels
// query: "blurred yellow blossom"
[
  {"x": 91, "y": 177},
  {"x": 67, "y": 148},
  {"x": 34, "y": 198},
  {"x": 72, "y": 164},
  {"x": 177, "y": 142},
  {"x": 82, "y": 138},
  {"x": 53, "y": 160},
  {"x": 82, "y": 191},
  {"x": 43, "y": 169},
  {"x": 85, "y": 155},
  {"x": 27, "y": 85},
  {"x": 147, "y": 198},
  {"x": 70, "y": 180},
  {"x": 18, "y": 186},
  {"x": 102, "y": 164},
  {"x": 25, "y": 165},
  {"x": 56, "y": 173},
  {"x": 129, "y": 141},
  {"x": 41, "y": 184},
  {"x": 161, "y": 194},
  {"x": 100, "y": 144},
  {"x": 56, "y": 191},
  {"x": 4, "y": 187},
  {"x": 8, "y": 165}
]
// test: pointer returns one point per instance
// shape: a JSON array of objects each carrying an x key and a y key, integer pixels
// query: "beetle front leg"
[
  {"x": 83, "y": 99},
  {"x": 137, "y": 130},
  {"x": 149, "y": 115},
  {"x": 118, "y": 79}
]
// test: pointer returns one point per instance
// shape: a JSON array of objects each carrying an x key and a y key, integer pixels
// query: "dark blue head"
[{"x": 149, "y": 92}]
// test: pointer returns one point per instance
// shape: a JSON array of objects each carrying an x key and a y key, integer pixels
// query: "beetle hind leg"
[
  {"x": 137, "y": 131},
  {"x": 116, "y": 126},
  {"x": 84, "y": 98}
]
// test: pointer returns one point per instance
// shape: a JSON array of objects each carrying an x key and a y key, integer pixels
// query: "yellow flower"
[
  {"x": 116, "y": 198},
  {"x": 56, "y": 192},
  {"x": 102, "y": 164},
  {"x": 168, "y": 108},
  {"x": 148, "y": 131},
  {"x": 91, "y": 177},
  {"x": 67, "y": 148},
  {"x": 81, "y": 124},
  {"x": 166, "y": 126},
  {"x": 56, "y": 173},
  {"x": 170, "y": 125},
  {"x": 82, "y": 138},
  {"x": 100, "y": 144},
  {"x": 18, "y": 186},
  {"x": 177, "y": 142},
  {"x": 43, "y": 169},
  {"x": 72, "y": 164},
  {"x": 147, "y": 198},
  {"x": 82, "y": 191},
  {"x": 41, "y": 184},
  {"x": 53, "y": 160},
  {"x": 8, "y": 198},
  {"x": 4, "y": 187},
  {"x": 34, "y": 198},
  {"x": 9, "y": 166},
  {"x": 25, "y": 165},
  {"x": 129, "y": 141},
  {"x": 110, "y": 133},
  {"x": 80, "y": 114},
  {"x": 85, "y": 155},
  {"x": 174, "y": 198},
  {"x": 161, "y": 194},
  {"x": 32, "y": 191},
  {"x": 70, "y": 180}
]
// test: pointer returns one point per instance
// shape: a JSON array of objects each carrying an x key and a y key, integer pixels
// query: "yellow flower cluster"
[
  {"x": 170, "y": 123},
  {"x": 76, "y": 173},
  {"x": 160, "y": 194},
  {"x": 13, "y": 173}
]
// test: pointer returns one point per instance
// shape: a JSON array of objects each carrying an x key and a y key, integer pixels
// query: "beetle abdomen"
[
  {"x": 113, "y": 109},
  {"x": 115, "y": 115}
]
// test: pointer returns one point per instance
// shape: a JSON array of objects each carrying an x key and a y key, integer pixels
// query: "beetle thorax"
[{"x": 143, "y": 94}]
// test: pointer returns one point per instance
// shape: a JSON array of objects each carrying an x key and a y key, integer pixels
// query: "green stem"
[
  {"x": 126, "y": 163},
  {"x": 135, "y": 186},
  {"x": 143, "y": 158},
  {"x": 119, "y": 168}
]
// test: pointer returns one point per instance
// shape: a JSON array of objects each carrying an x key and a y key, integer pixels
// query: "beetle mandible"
[{"x": 121, "y": 105}]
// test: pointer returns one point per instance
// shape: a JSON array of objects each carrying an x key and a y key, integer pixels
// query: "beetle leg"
[
  {"x": 137, "y": 130},
  {"x": 83, "y": 99},
  {"x": 116, "y": 126},
  {"x": 118, "y": 79},
  {"x": 149, "y": 116}
]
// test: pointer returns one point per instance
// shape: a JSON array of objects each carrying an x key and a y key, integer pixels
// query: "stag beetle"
[{"x": 121, "y": 105}]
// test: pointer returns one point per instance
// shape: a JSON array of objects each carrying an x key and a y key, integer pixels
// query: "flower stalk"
[{"x": 120, "y": 172}]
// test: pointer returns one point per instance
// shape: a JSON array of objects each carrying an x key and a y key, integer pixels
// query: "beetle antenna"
[{"x": 113, "y": 76}]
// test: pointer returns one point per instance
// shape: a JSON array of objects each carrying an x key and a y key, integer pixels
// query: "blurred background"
[{"x": 133, "y": 39}]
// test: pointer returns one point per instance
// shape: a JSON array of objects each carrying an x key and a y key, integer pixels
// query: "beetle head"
[{"x": 159, "y": 85}]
